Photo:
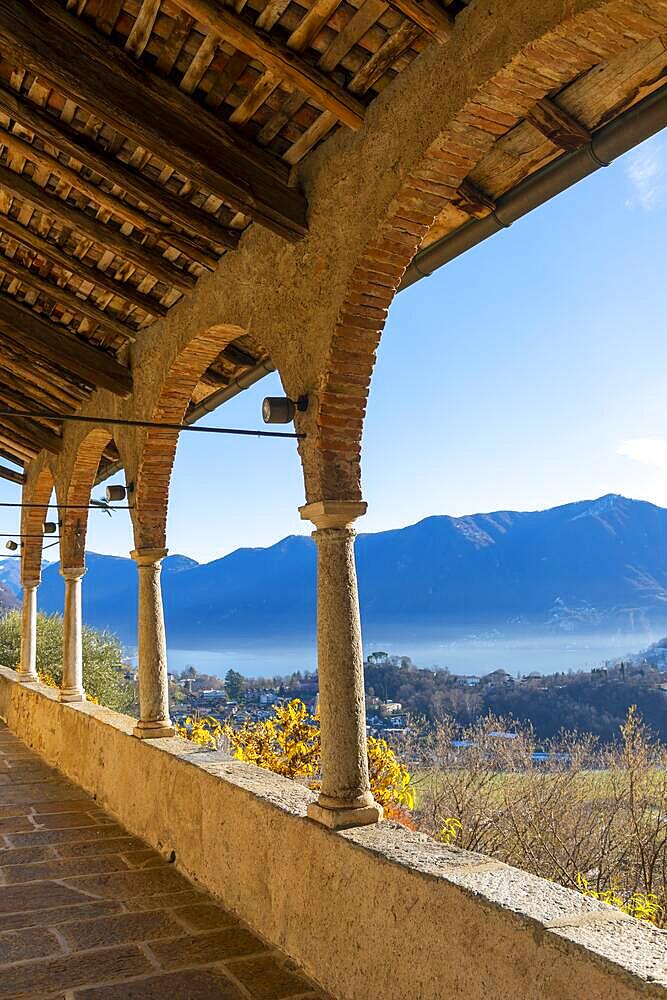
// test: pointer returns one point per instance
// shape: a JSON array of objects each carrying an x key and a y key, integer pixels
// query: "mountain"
[{"x": 582, "y": 566}]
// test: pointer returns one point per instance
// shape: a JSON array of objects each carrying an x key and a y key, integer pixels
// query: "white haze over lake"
[{"x": 463, "y": 652}]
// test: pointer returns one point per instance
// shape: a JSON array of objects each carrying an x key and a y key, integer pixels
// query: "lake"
[{"x": 462, "y": 651}]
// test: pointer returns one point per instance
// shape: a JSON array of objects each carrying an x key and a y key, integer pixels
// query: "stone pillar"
[
  {"x": 154, "y": 718},
  {"x": 71, "y": 688},
  {"x": 28, "y": 667},
  {"x": 345, "y": 798}
]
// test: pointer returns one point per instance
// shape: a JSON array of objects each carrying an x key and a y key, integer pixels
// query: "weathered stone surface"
[
  {"x": 191, "y": 985},
  {"x": 131, "y": 883},
  {"x": 55, "y": 936},
  {"x": 37, "y": 896},
  {"x": 204, "y": 917},
  {"x": 17, "y": 946},
  {"x": 267, "y": 979},
  {"x": 122, "y": 929},
  {"x": 53, "y": 916},
  {"x": 17, "y": 874},
  {"x": 200, "y": 949},
  {"x": 79, "y": 835},
  {"x": 44, "y": 977}
]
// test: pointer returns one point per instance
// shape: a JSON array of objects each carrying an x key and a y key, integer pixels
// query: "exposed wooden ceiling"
[{"x": 138, "y": 139}]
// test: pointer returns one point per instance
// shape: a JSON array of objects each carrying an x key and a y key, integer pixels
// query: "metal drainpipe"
[{"x": 610, "y": 141}]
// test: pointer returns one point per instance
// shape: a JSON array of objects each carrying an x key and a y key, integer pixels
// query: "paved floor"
[{"x": 88, "y": 912}]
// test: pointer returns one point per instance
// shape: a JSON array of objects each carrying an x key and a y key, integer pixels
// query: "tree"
[
  {"x": 234, "y": 685},
  {"x": 103, "y": 671}
]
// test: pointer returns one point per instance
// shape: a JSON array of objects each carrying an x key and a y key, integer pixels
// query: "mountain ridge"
[{"x": 586, "y": 564}]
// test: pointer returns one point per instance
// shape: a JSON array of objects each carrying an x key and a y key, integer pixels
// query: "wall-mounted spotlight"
[
  {"x": 50, "y": 527},
  {"x": 281, "y": 410},
  {"x": 115, "y": 493},
  {"x": 12, "y": 546}
]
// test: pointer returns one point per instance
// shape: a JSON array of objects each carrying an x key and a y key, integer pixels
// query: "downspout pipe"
[{"x": 609, "y": 142}]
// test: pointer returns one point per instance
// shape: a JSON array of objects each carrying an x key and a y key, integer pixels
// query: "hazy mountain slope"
[{"x": 593, "y": 562}]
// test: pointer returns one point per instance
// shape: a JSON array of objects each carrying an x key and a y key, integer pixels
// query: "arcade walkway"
[{"x": 88, "y": 912}]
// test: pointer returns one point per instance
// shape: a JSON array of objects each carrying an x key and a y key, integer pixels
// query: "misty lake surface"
[{"x": 461, "y": 651}]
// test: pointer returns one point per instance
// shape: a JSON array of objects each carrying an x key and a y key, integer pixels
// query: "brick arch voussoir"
[
  {"x": 77, "y": 494},
  {"x": 37, "y": 490},
  {"x": 333, "y": 469},
  {"x": 159, "y": 447}
]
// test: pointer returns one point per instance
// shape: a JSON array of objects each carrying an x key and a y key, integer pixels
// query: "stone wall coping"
[{"x": 596, "y": 937}]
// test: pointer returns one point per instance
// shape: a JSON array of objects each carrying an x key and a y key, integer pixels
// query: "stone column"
[
  {"x": 71, "y": 688},
  {"x": 28, "y": 667},
  {"x": 345, "y": 799},
  {"x": 154, "y": 718}
]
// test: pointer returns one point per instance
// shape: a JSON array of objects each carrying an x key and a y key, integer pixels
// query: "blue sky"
[{"x": 530, "y": 372}]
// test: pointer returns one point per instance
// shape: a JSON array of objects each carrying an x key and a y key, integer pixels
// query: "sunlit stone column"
[
  {"x": 71, "y": 688},
  {"x": 345, "y": 799},
  {"x": 28, "y": 667},
  {"x": 154, "y": 718}
]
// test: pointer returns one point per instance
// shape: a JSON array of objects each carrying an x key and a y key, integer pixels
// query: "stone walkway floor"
[{"x": 88, "y": 912}]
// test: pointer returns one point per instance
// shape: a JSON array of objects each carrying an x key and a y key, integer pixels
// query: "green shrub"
[{"x": 103, "y": 673}]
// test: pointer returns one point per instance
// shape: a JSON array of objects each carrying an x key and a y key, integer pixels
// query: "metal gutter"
[{"x": 609, "y": 142}]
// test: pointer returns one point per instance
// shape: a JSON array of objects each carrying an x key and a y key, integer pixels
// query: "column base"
[
  {"x": 343, "y": 818},
  {"x": 153, "y": 730},
  {"x": 69, "y": 695},
  {"x": 27, "y": 678}
]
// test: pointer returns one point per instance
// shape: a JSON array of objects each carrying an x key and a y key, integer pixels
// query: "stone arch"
[
  {"x": 332, "y": 453},
  {"x": 32, "y": 518},
  {"x": 159, "y": 445},
  {"x": 81, "y": 481}
]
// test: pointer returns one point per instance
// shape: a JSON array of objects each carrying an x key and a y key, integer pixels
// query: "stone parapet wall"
[{"x": 370, "y": 913}]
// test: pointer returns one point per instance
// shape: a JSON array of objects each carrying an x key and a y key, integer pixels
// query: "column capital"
[
  {"x": 30, "y": 584},
  {"x": 148, "y": 557},
  {"x": 333, "y": 513},
  {"x": 72, "y": 572}
]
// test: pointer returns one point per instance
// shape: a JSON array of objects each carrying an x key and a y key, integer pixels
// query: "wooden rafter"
[
  {"x": 22, "y": 325},
  {"x": 277, "y": 57},
  {"x": 62, "y": 296},
  {"x": 148, "y": 260},
  {"x": 558, "y": 125},
  {"x": 31, "y": 432},
  {"x": 107, "y": 82},
  {"x": 11, "y": 475},
  {"x": 78, "y": 147},
  {"x": 75, "y": 265},
  {"x": 429, "y": 15}
]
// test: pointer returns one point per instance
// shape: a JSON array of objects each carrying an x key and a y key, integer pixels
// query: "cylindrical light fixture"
[
  {"x": 50, "y": 527},
  {"x": 281, "y": 409},
  {"x": 114, "y": 493},
  {"x": 12, "y": 546}
]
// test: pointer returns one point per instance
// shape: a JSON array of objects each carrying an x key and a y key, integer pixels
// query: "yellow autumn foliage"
[{"x": 289, "y": 744}]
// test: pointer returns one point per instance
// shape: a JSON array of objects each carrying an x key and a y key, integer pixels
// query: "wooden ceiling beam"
[
  {"x": 16, "y": 445},
  {"x": 278, "y": 57},
  {"x": 79, "y": 147},
  {"x": 429, "y": 15},
  {"x": 104, "y": 80},
  {"x": 10, "y": 457},
  {"x": 14, "y": 374},
  {"x": 35, "y": 431},
  {"x": 63, "y": 349},
  {"x": 150, "y": 261},
  {"x": 558, "y": 125},
  {"x": 11, "y": 476},
  {"x": 78, "y": 267},
  {"x": 26, "y": 435},
  {"x": 121, "y": 209},
  {"x": 64, "y": 297}
]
